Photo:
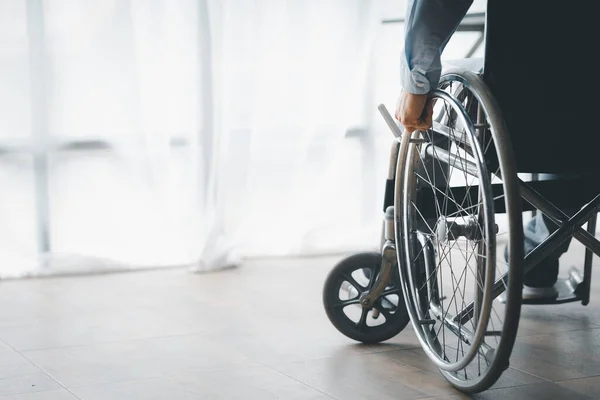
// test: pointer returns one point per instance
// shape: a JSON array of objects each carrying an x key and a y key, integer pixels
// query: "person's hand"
[{"x": 414, "y": 111}]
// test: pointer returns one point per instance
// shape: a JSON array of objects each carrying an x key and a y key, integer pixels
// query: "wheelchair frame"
[{"x": 534, "y": 196}]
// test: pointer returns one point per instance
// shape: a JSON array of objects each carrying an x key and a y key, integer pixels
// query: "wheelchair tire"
[
  {"x": 360, "y": 325},
  {"x": 459, "y": 328}
]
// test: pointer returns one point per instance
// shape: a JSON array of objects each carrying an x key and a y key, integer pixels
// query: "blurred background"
[{"x": 140, "y": 134}]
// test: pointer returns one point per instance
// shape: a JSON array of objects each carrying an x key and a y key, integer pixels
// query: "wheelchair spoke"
[
  {"x": 457, "y": 288},
  {"x": 362, "y": 322},
  {"x": 431, "y": 275},
  {"x": 379, "y": 306},
  {"x": 417, "y": 256},
  {"x": 467, "y": 312},
  {"x": 346, "y": 303},
  {"x": 481, "y": 286},
  {"x": 422, "y": 217},
  {"x": 350, "y": 279},
  {"x": 462, "y": 299}
]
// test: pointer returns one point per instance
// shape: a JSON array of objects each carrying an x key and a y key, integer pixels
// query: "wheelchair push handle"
[{"x": 396, "y": 130}]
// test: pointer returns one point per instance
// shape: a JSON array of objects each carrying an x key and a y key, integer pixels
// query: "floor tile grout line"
[
  {"x": 169, "y": 376},
  {"x": 531, "y": 374},
  {"x": 172, "y": 376},
  {"x": 300, "y": 382},
  {"x": 558, "y": 332},
  {"x": 109, "y": 342},
  {"x": 301, "y": 360},
  {"x": 532, "y": 384},
  {"x": 575, "y": 379},
  {"x": 591, "y": 328},
  {"x": 40, "y": 369}
]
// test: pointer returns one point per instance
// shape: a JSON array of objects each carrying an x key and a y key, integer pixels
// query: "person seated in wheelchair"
[{"x": 429, "y": 25}]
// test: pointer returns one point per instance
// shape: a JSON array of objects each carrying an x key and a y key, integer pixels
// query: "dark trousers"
[
  {"x": 536, "y": 231},
  {"x": 545, "y": 273}
]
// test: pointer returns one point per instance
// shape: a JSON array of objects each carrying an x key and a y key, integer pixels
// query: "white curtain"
[
  {"x": 155, "y": 133},
  {"x": 293, "y": 76}
]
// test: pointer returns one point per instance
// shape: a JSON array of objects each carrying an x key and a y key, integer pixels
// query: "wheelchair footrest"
[{"x": 569, "y": 290}]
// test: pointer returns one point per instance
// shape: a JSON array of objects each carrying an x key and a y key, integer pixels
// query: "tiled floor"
[{"x": 257, "y": 332}]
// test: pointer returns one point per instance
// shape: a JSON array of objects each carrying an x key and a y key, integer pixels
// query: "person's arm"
[{"x": 428, "y": 28}]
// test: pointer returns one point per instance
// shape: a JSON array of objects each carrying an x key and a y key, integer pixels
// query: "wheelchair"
[{"x": 454, "y": 200}]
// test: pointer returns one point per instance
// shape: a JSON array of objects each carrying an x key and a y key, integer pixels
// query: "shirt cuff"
[{"x": 413, "y": 80}]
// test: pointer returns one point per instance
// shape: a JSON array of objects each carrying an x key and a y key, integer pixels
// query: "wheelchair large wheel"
[
  {"x": 343, "y": 287},
  {"x": 450, "y": 182}
]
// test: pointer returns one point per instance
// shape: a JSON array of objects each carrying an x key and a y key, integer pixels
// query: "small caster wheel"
[{"x": 344, "y": 285}]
